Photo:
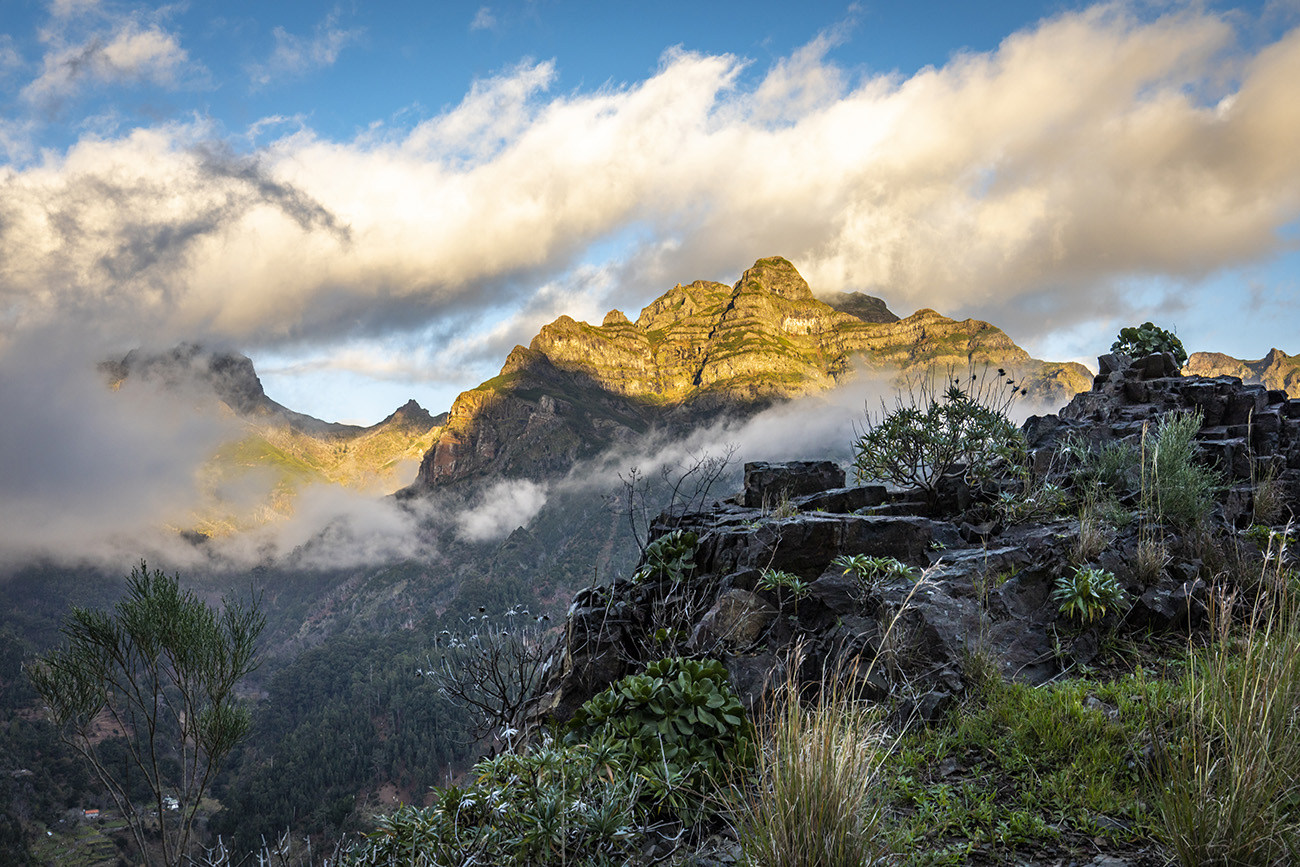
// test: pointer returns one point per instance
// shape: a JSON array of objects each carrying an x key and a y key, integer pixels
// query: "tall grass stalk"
[
  {"x": 1184, "y": 490},
  {"x": 816, "y": 799},
  {"x": 1229, "y": 789}
]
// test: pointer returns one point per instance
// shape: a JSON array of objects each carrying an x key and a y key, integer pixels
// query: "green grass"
[
  {"x": 254, "y": 451},
  {"x": 816, "y": 796},
  {"x": 1019, "y": 767}
]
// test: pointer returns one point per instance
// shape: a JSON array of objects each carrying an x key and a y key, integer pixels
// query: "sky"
[{"x": 377, "y": 201}]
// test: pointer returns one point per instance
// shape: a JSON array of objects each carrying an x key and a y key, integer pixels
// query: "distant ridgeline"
[
  {"x": 281, "y": 450},
  {"x": 1276, "y": 370},
  {"x": 697, "y": 350}
]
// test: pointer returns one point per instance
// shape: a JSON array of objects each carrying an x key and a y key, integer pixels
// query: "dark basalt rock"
[
  {"x": 767, "y": 485},
  {"x": 986, "y": 586}
]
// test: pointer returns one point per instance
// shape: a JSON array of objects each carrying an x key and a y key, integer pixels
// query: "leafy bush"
[
  {"x": 550, "y": 805},
  {"x": 678, "y": 727},
  {"x": 1088, "y": 593},
  {"x": 670, "y": 557},
  {"x": 928, "y": 436},
  {"x": 1147, "y": 339}
]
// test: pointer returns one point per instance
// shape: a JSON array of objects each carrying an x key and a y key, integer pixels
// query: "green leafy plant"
[
  {"x": 670, "y": 557},
  {"x": 1268, "y": 540},
  {"x": 1149, "y": 338},
  {"x": 549, "y": 805},
  {"x": 678, "y": 727},
  {"x": 870, "y": 573},
  {"x": 1088, "y": 593},
  {"x": 782, "y": 582},
  {"x": 930, "y": 434}
]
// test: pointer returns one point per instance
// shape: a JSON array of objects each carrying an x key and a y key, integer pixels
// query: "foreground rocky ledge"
[{"x": 986, "y": 585}]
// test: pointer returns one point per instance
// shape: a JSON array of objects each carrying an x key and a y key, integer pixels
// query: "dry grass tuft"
[
  {"x": 817, "y": 798},
  {"x": 1229, "y": 788}
]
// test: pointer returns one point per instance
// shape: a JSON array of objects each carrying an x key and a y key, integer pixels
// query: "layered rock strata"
[{"x": 699, "y": 349}]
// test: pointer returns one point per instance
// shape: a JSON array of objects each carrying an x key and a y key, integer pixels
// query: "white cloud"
[
  {"x": 130, "y": 52},
  {"x": 295, "y": 55},
  {"x": 500, "y": 509},
  {"x": 10, "y": 59}
]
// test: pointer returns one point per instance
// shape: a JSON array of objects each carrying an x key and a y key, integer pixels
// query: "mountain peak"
[
  {"x": 776, "y": 275},
  {"x": 228, "y": 375},
  {"x": 699, "y": 349},
  {"x": 1275, "y": 370},
  {"x": 868, "y": 308}
]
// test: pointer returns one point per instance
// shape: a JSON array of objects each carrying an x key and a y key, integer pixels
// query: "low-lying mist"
[{"x": 100, "y": 477}]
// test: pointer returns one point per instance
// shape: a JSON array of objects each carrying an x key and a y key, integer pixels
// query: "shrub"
[
  {"x": 1088, "y": 593},
  {"x": 550, "y": 805},
  {"x": 677, "y": 727},
  {"x": 1228, "y": 787},
  {"x": 1147, "y": 339},
  {"x": 670, "y": 557},
  {"x": 928, "y": 435},
  {"x": 816, "y": 798},
  {"x": 1112, "y": 467}
]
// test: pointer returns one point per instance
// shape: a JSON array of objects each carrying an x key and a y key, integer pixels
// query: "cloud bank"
[{"x": 1093, "y": 146}]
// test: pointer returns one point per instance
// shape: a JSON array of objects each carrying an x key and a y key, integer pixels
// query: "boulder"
[
  {"x": 737, "y": 619},
  {"x": 767, "y": 485}
]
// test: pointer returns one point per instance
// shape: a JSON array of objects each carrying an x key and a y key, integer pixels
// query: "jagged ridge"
[
  {"x": 698, "y": 349},
  {"x": 287, "y": 449}
]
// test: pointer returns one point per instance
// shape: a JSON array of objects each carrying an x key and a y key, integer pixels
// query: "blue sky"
[{"x": 375, "y": 201}]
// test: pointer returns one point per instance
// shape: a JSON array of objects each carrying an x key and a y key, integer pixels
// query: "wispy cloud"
[
  {"x": 295, "y": 56},
  {"x": 484, "y": 19},
  {"x": 88, "y": 45}
]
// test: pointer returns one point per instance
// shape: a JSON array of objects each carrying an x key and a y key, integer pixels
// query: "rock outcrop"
[
  {"x": 698, "y": 349},
  {"x": 985, "y": 583}
]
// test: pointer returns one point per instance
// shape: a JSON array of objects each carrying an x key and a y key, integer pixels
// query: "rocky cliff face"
[
  {"x": 698, "y": 349},
  {"x": 1276, "y": 370}
]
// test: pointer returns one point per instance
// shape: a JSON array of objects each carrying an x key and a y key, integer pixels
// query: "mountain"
[
  {"x": 258, "y": 476},
  {"x": 1275, "y": 370},
  {"x": 698, "y": 350}
]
